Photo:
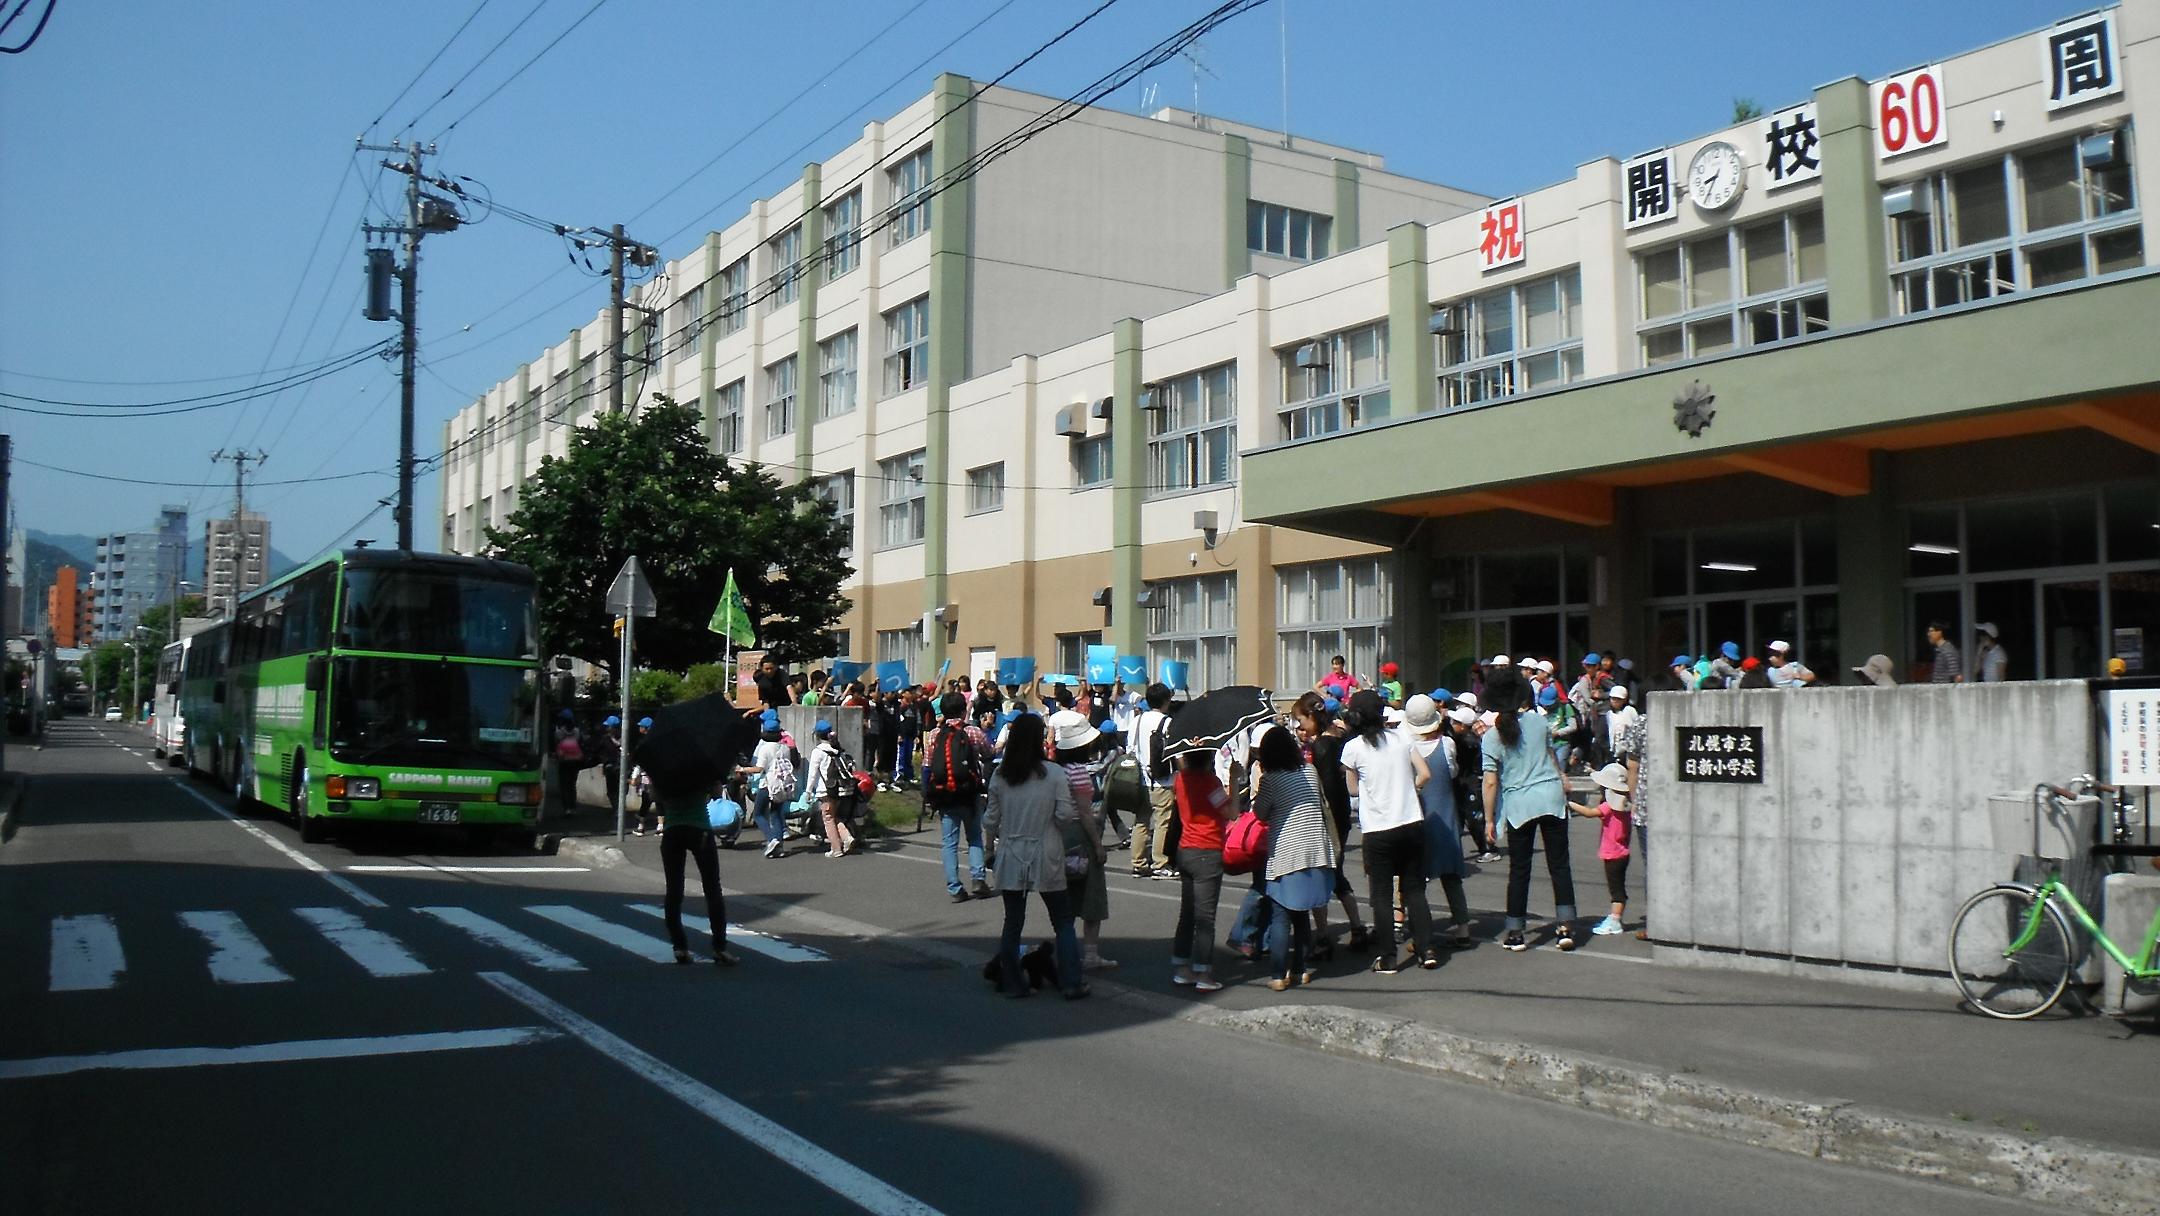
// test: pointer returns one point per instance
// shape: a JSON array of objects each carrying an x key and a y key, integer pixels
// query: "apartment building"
[
  {"x": 1878, "y": 358},
  {"x": 236, "y": 560},
  {"x": 68, "y": 609},
  {"x": 135, "y": 571}
]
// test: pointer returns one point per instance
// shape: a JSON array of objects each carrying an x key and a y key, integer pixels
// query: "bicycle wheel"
[{"x": 1989, "y": 975}]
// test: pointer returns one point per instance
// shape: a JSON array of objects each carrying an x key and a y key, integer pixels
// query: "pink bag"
[{"x": 1245, "y": 844}]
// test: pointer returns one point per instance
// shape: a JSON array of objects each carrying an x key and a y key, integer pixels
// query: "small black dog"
[{"x": 1038, "y": 964}]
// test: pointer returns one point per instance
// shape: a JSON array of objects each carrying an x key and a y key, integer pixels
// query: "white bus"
[{"x": 168, "y": 726}]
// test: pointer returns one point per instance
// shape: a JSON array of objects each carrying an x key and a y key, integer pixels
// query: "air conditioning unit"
[
  {"x": 1312, "y": 354},
  {"x": 1908, "y": 198},
  {"x": 2100, "y": 149},
  {"x": 1070, "y": 424},
  {"x": 1150, "y": 598},
  {"x": 1151, "y": 400},
  {"x": 1446, "y": 321},
  {"x": 1203, "y": 521},
  {"x": 1101, "y": 599},
  {"x": 1103, "y": 408}
]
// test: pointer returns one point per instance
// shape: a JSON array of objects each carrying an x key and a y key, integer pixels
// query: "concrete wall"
[{"x": 1869, "y": 830}]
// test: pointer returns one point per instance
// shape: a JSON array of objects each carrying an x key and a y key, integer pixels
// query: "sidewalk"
[{"x": 1896, "y": 1080}]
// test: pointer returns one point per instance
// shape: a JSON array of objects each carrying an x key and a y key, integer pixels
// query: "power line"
[
  {"x": 30, "y": 41},
  {"x": 484, "y": 57},
  {"x": 520, "y": 71},
  {"x": 197, "y": 485},
  {"x": 432, "y": 59},
  {"x": 155, "y": 409}
]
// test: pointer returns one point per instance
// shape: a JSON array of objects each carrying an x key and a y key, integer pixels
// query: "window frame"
[
  {"x": 985, "y": 496},
  {"x": 686, "y": 332},
  {"x": 1507, "y": 373},
  {"x": 910, "y": 182},
  {"x": 1084, "y": 457},
  {"x": 1296, "y": 227},
  {"x": 1366, "y": 637},
  {"x": 734, "y": 281},
  {"x": 843, "y": 234},
  {"x": 780, "y": 408},
  {"x": 1207, "y": 643},
  {"x": 903, "y": 500},
  {"x": 1804, "y": 302},
  {"x": 1211, "y": 431},
  {"x": 907, "y": 364},
  {"x": 837, "y": 383},
  {"x": 784, "y": 254},
  {"x": 727, "y": 436},
  {"x": 1338, "y": 406},
  {"x": 837, "y": 491}
]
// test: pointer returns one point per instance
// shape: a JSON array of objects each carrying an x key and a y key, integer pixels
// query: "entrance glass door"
[
  {"x": 1774, "y": 621},
  {"x": 2070, "y": 628},
  {"x": 1945, "y": 604},
  {"x": 2011, "y": 606}
]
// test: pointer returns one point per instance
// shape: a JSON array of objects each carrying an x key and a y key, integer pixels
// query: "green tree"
[
  {"x": 158, "y": 619},
  {"x": 704, "y": 679},
  {"x": 648, "y": 484},
  {"x": 1744, "y": 109},
  {"x": 653, "y": 689}
]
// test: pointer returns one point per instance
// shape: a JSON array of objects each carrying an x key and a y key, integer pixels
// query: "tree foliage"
[
  {"x": 1745, "y": 109},
  {"x": 653, "y": 689},
  {"x": 647, "y": 483},
  {"x": 704, "y": 679}
]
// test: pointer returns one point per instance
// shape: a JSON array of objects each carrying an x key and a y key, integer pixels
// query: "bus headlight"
[
  {"x": 365, "y": 789},
  {"x": 517, "y": 794}
]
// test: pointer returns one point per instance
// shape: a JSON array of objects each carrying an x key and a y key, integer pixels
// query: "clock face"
[{"x": 1716, "y": 176}]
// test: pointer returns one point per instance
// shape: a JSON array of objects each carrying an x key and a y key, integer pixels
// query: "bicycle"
[{"x": 2011, "y": 950}]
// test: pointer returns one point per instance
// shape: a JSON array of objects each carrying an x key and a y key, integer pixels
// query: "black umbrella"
[
  {"x": 696, "y": 743},
  {"x": 1213, "y": 718}
]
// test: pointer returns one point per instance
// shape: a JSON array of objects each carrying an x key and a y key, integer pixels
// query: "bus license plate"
[{"x": 438, "y": 812}]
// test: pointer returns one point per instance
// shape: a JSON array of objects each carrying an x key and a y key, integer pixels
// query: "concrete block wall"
[
  {"x": 1870, "y": 827},
  {"x": 800, "y": 721}
]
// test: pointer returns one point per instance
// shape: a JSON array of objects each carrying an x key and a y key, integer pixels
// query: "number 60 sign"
[{"x": 1909, "y": 112}]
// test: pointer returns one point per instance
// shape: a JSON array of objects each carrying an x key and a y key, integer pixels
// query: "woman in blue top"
[{"x": 1523, "y": 790}]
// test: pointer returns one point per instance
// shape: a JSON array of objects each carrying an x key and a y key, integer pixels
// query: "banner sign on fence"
[{"x": 1725, "y": 755}]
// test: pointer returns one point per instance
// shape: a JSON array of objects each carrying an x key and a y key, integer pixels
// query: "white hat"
[
  {"x": 1421, "y": 715},
  {"x": 1878, "y": 670},
  {"x": 1499, "y": 660},
  {"x": 1467, "y": 698},
  {"x": 1779, "y": 647},
  {"x": 1988, "y": 628},
  {"x": 1527, "y": 663},
  {"x": 1392, "y": 716},
  {"x": 1545, "y": 667},
  {"x": 1069, "y": 728},
  {"x": 1612, "y": 777},
  {"x": 1618, "y": 693},
  {"x": 1461, "y": 716},
  {"x": 1488, "y": 717}
]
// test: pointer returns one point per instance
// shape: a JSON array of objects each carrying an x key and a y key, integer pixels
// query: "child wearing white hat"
[{"x": 1617, "y": 822}]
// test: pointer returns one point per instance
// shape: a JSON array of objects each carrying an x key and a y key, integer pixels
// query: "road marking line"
[
  {"x": 236, "y": 955},
  {"x": 502, "y": 936},
  {"x": 86, "y": 954},
  {"x": 850, "y": 1182},
  {"x": 1121, "y": 889},
  {"x": 278, "y": 1053},
  {"x": 644, "y": 945},
  {"x": 306, "y": 862},
  {"x": 750, "y": 939},
  {"x": 416, "y": 868},
  {"x": 378, "y": 952}
]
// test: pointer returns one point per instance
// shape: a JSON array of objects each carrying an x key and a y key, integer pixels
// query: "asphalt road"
[{"x": 199, "y": 1014}]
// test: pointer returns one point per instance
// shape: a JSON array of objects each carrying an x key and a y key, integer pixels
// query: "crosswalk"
[{"x": 90, "y": 951}]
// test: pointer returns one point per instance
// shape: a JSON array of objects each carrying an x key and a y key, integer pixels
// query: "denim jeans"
[
  {"x": 1395, "y": 857},
  {"x": 771, "y": 819},
  {"x": 1199, "y": 890},
  {"x": 1289, "y": 940},
  {"x": 676, "y": 843},
  {"x": 955, "y": 821},
  {"x": 1254, "y": 921},
  {"x": 1521, "y": 841},
  {"x": 903, "y": 767},
  {"x": 1060, "y": 906}
]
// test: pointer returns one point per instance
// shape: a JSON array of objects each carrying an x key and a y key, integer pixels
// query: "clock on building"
[{"x": 1716, "y": 176}]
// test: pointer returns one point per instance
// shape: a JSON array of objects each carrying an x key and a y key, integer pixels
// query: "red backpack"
[{"x": 1245, "y": 844}]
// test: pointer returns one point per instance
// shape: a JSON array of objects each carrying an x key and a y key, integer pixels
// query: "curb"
[
  {"x": 577, "y": 846},
  {"x": 2056, "y": 1170}
]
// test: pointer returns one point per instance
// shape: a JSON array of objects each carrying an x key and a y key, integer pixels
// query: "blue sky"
[{"x": 169, "y": 168}]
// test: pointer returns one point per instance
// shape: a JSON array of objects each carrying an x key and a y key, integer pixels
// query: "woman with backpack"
[
  {"x": 1523, "y": 790},
  {"x": 1029, "y": 807},
  {"x": 1385, "y": 773},
  {"x": 832, "y": 789},
  {"x": 1302, "y": 858},
  {"x": 1071, "y": 739},
  {"x": 956, "y": 755},
  {"x": 772, "y": 783}
]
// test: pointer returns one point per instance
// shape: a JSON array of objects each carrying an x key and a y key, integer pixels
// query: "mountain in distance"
[{"x": 82, "y": 551}]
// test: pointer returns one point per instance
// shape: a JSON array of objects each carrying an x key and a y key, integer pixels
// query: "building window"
[
  {"x": 727, "y": 419},
  {"x": 1744, "y": 286},
  {"x": 735, "y": 296},
  {"x": 902, "y": 646},
  {"x": 1511, "y": 340},
  {"x": 1335, "y": 382},
  {"x": 907, "y": 346},
  {"x": 910, "y": 181},
  {"x": 583, "y": 398},
  {"x": 686, "y": 324},
  {"x": 780, "y": 398},
  {"x": 986, "y": 488},
  {"x": 836, "y": 375},
  {"x": 1195, "y": 623},
  {"x": 2057, "y": 213},
  {"x": 1333, "y": 608},
  {"x": 900, "y": 500},
  {"x": 1072, "y": 652},
  {"x": 1286, "y": 231},
  {"x": 843, "y": 235},
  {"x": 1192, "y": 430},
  {"x": 783, "y": 254},
  {"x": 1091, "y": 462},
  {"x": 837, "y": 491}
]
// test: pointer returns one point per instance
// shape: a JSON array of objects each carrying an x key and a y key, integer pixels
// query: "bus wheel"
[{"x": 312, "y": 829}]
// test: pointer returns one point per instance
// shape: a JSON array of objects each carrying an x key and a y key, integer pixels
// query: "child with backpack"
[
  {"x": 956, "y": 764},
  {"x": 771, "y": 771},
  {"x": 1124, "y": 786},
  {"x": 833, "y": 789}
]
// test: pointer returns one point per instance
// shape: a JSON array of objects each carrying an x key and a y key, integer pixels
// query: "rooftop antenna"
[
  {"x": 1282, "y": 12},
  {"x": 1195, "y": 56},
  {"x": 1147, "y": 97}
]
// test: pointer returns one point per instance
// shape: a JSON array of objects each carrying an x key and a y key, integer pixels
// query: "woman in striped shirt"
[{"x": 1302, "y": 854}]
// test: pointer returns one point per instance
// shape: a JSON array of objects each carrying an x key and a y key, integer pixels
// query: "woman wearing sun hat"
[{"x": 1443, "y": 831}]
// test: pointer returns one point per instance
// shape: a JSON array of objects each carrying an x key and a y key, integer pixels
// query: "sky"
[{"x": 182, "y": 199}]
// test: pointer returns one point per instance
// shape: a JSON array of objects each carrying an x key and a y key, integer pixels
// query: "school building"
[{"x": 1883, "y": 356}]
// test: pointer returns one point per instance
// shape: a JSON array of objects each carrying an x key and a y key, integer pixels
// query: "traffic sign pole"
[
  {"x": 630, "y": 596},
  {"x": 622, "y": 766}
]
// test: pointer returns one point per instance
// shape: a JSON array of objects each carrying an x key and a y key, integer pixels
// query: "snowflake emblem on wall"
[{"x": 1692, "y": 408}]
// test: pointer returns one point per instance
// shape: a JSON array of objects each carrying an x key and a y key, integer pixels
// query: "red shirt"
[{"x": 1203, "y": 806}]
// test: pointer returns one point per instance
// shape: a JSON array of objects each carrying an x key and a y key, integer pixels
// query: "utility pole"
[
  {"x": 7, "y": 460},
  {"x": 638, "y": 255},
  {"x": 424, "y": 213},
  {"x": 240, "y": 460}
]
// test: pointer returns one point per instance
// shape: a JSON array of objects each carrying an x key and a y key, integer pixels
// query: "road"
[{"x": 197, "y": 1013}]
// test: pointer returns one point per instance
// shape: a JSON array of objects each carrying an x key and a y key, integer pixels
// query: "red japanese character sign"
[{"x": 1500, "y": 235}]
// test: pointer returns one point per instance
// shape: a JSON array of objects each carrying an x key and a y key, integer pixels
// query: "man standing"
[
  {"x": 1150, "y": 836},
  {"x": 1949, "y": 669},
  {"x": 956, "y": 763},
  {"x": 1992, "y": 661},
  {"x": 772, "y": 685},
  {"x": 1784, "y": 672}
]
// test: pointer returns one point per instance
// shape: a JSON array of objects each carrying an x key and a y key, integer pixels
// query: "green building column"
[
  {"x": 528, "y": 425},
  {"x": 1237, "y": 191},
  {"x": 1412, "y": 388},
  {"x": 806, "y": 341},
  {"x": 709, "y": 337},
  {"x": 1871, "y": 573},
  {"x": 1346, "y": 208},
  {"x": 1855, "y": 242},
  {"x": 952, "y": 142},
  {"x": 1128, "y": 489}
]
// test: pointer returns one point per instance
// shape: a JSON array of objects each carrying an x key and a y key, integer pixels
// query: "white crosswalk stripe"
[
  {"x": 644, "y": 945},
  {"x": 381, "y": 954},
  {"x": 86, "y": 954},
  {"x": 503, "y": 937},
  {"x": 236, "y": 956},
  {"x": 750, "y": 939}
]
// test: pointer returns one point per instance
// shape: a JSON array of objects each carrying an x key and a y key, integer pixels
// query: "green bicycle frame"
[{"x": 2052, "y": 889}]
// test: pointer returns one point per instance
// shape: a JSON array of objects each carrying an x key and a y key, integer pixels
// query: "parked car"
[{"x": 112, "y": 713}]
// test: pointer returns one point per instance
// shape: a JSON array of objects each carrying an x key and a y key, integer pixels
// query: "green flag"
[{"x": 732, "y": 617}]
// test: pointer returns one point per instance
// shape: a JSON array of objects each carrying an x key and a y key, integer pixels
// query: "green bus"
[{"x": 374, "y": 686}]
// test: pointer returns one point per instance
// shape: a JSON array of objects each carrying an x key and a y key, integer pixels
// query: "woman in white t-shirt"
[
  {"x": 1384, "y": 774},
  {"x": 772, "y": 782}
]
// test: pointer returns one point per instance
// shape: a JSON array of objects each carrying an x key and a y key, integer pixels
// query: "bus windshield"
[
  {"x": 438, "y": 612},
  {"x": 433, "y": 714}
]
